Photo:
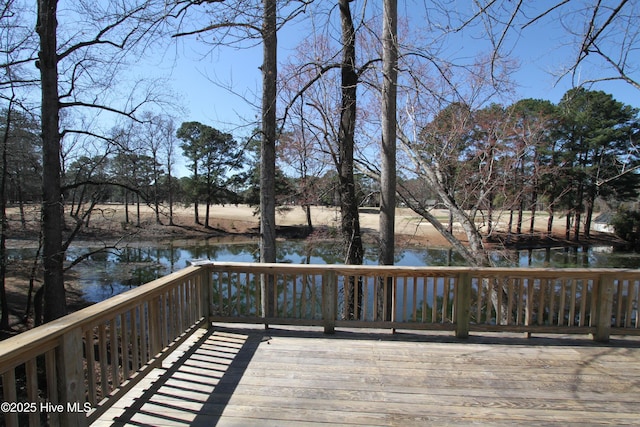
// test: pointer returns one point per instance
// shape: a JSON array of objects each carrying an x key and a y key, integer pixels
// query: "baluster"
[
  {"x": 562, "y": 302},
  {"x": 135, "y": 342},
  {"x": 620, "y": 302},
  {"x": 144, "y": 333},
  {"x": 425, "y": 283},
  {"x": 541, "y": 302},
  {"x": 434, "y": 300},
  {"x": 102, "y": 355},
  {"x": 604, "y": 308},
  {"x": 552, "y": 299},
  {"x": 32, "y": 391},
  {"x": 521, "y": 302},
  {"x": 10, "y": 395},
  {"x": 498, "y": 281},
  {"x": 572, "y": 306},
  {"x": 91, "y": 361},
  {"x": 126, "y": 344},
  {"x": 414, "y": 307},
  {"x": 52, "y": 383},
  {"x": 329, "y": 306},
  {"x": 463, "y": 304},
  {"x": 115, "y": 371}
]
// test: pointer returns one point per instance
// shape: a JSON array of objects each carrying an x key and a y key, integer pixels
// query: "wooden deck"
[{"x": 242, "y": 376}]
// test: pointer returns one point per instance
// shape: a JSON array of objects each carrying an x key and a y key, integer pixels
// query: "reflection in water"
[{"x": 106, "y": 274}]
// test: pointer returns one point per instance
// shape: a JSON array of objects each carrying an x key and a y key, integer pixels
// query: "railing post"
[
  {"x": 329, "y": 309},
  {"x": 205, "y": 292},
  {"x": 463, "y": 299},
  {"x": 604, "y": 308},
  {"x": 267, "y": 293},
  {"x": 71, "y": 387}
]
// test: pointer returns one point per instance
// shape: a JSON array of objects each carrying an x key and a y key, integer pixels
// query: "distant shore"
[{"x": 233, "y": 221}]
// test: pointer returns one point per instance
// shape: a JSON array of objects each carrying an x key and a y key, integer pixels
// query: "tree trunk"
[
  {"x": 534, "y": 203},
  {"x": 126, "y": 207},
  {"x": 350, "y": 224},
  {"x": 578, "y": 212},
  {"x": 388, "y": 149},
  {"x": 170, "y": 179},
  {"x": 19, "y": 184},
  {"x": 348, "y": 202},
  {"x": 520, "y": 216},
  {"x": 4, "y": 305},
  {"x": 307, "y": 209},
  {"x": 576, "y": 226},
  {"x": 207, "y": 212},
  {"x": 52, "y": 203},
  {"x": 268, "y": 152},
  {"x": 196, "y": 196},
  {"x": 156, "y": 201},
  {"x": 138, "y": 210},
  {"x": 156, "y": 187},
  {"x": 388, "y": 120},
  {"x": 588, "y": 215},
  {"x": 490, "y": 214}
]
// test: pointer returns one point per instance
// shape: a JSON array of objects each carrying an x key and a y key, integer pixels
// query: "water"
[{"x": 106, "y": 274}]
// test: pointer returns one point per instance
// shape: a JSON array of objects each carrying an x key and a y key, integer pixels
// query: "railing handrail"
[
  {"x": 411, "y": 270},
  {"x": 593, "y": 284},
  {"x": 12, "y": 349}
]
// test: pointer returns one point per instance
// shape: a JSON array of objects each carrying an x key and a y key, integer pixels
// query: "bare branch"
[
  {"x": 129, "y": 114},
  {"x": 545, "y": 13},
  {"x": 216, "y": 27},
  {"x": 98, "y": 39}
]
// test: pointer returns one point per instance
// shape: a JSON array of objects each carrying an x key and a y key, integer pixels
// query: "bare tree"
[
  {"x": 168, "y": 148},
  {"x": 157, "y": 137},
  {"x": 348, "y": 86},
  {"x": 350, "y": 218},
  {"x": 17, "y": 49},
  {"x": 87, "y": 61},
  {"x": 434, "y": 154},
  {"x": 300, "y": 150}
]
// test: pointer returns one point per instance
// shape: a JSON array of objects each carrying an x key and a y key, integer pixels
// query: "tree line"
[
  {"x": 363, "y": 83},
  {"x": 532, "y": 156}
]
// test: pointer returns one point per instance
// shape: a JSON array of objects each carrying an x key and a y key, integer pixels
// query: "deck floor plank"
[{"x": 292, "y": 377}]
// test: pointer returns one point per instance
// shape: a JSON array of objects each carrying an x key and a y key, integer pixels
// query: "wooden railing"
[
  {"x": 70, "y": 371},
  {"x": 595, "y": 301}
]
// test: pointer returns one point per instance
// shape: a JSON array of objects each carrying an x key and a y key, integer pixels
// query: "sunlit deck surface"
[{"x": 242, "y": 376}]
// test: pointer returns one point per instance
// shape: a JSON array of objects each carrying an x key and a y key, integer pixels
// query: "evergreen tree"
[{"x": 597, "y": 134}]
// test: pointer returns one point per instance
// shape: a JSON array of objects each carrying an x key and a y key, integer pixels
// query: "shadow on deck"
[{"x": 236, "y": 375}]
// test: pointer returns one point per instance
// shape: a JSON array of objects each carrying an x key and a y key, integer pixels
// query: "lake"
[{"x": 104, "y": 275}]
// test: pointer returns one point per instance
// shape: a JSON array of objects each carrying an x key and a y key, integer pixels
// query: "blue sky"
[{"x": 192, "y": 75}]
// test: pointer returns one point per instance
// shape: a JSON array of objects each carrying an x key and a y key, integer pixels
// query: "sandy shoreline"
[{"x": 226, "y": 221}]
